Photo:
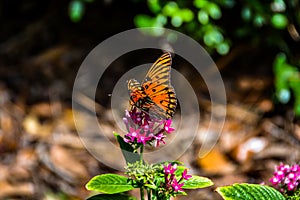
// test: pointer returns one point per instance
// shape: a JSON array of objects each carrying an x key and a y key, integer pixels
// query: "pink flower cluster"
[
  {"x": 170, "y": 180},
  {"x": 286, "y": 177},
  {"x": 142, "y": 128}
]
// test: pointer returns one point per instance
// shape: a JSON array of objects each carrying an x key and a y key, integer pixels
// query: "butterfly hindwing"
[{"x": 164, "y": 103}]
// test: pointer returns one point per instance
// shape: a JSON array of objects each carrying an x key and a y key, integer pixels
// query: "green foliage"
[
  {"x": 111, "y": 196},
  {"x": 197, "y": 20},
  {"x": 127, "y": 150},
  {"x": 77, "y": 9},
  {"x": 144, "y": 174},
  {"x": 56, "y": 195},
  {"x": 246, "y": 191},
  {"x": 287, "y": 81},
  {"x": 220, "y": 24},
  {"x": 294, "y": 196},
  {"x": 158, "y": 179},
  {"x": 109, "y": 184},
  {"x": 197, "y": 182},
  {"x": 279, "y": 21},
  {"x": 202, "y": 19}
]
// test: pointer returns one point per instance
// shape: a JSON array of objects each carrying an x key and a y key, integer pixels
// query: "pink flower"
[
  {"x": 132, "y": 135},
  {"x": 177, "y": 186},
  {"x": 159, "y": 138},
  {"x": 286, "y": 178},
  {"x": 143, "y": 129},
  {"x": 142, "y": 139},
  {"x": 167, "y": 126},
  {"x": 274, "y": 180},
  {"x": 279, "y": 174},
  {"x": 185, "y": 175},
  {"x": 169, "y": 169},
  {"x": 291, "y": 186}
]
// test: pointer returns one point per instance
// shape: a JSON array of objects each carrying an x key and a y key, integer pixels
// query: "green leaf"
[
  {"x": 295, "y": 86},
  {"x": 127, "y": 150},
  {"x": 283, "y": 95},
  {"x": 154, "y": 187},
  {"x": 109, "y": 184},
  {"x": 76, "y": 10},
  {"x": 179, "y": 170},
  {"x": 259, "y": 20},
  {"x": 200, "y": 3},
  {"x": 246, "y": 191},
  {"x": 279, "y": 21},
  {"x": 186, "y": 14},
  {"x": 208, "y": 39},
  {"x": 161, "y": 19},
  {"x": 214, "y": 11},
  {"x": 213, "y": 37},
  {"x": 154, "y": 6},
  {"x": 170, "y": 9},
  {"x": 203, "y": 17},
  {"x": 111, "y": 196},
  {"x": 286, "y": 76},
  {"x": 176, "y": 20},
  {"x": 144, "y": 21},
  {"x": 197, "y": 182},
  {"x": 246, "y": 13},
  {"x": 223, "y": 48}
]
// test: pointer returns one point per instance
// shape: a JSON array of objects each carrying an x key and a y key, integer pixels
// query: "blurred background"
[{"x": 42, "y": 44}]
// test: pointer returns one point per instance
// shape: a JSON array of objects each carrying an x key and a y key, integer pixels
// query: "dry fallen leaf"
[
  {"x": 66, "y": 164},
  {"x": 67, "y": 119},
  {"x": 21, "y": 189},
  {"x": 25, "y": 162},
  {"x": 42, "y": 110},
  {"x": 215, "y": 162},
  {"x": 247, "y": 149},
  {"x": 9, "y": 132},
  {"x": 265, "y": 105},
  {"x": 297, "y": 131},
  {"x": 34, "y": 128}
]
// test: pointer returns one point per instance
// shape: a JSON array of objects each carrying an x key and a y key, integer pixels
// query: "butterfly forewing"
[{"x": 159, "y": 73}]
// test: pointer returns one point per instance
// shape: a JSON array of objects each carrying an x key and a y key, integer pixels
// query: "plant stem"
[
  {"x": 149, "y": 194},
  {"x": 141, "y": 159},
  {"x": 142, "y": 193},
  {"x": 141, "y": 152}
]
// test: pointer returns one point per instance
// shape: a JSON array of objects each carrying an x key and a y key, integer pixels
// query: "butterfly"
[{"x": 155, "y": 95}]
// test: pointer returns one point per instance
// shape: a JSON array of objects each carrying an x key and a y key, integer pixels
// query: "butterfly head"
[
  {"x": 133, "y": 84},
  {"x": 134, "y": 89}
]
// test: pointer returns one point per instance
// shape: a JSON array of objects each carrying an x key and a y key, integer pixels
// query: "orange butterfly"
[{"x": 155, "y": 95}]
